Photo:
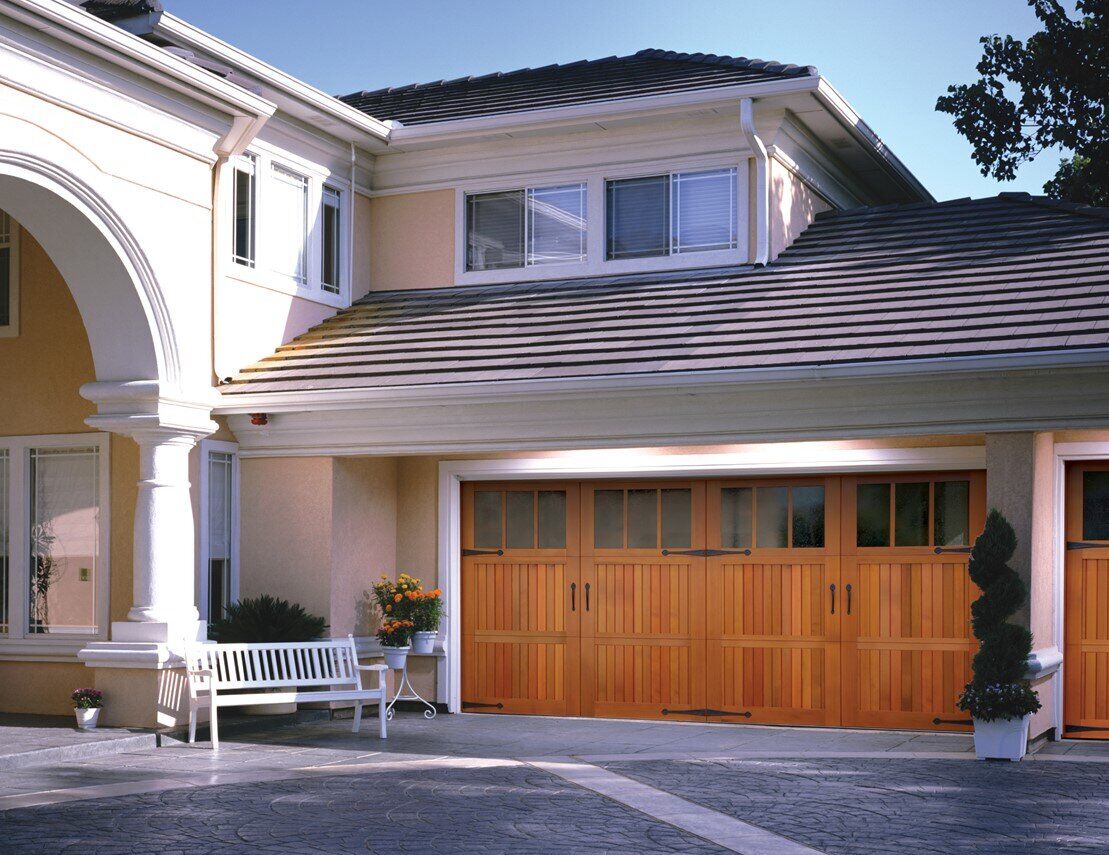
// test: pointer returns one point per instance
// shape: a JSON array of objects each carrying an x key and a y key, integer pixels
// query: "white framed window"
[
  {"x": 218, "y": 568},
  {"x": 9, "y": 276},
  {"x": 244, "y": 203},
  {"x": 287, "y": 223},
  {"x": 331, "y": 250},
  {"x": 670, "y": 214},
  {"x": 528, "y": 227},
  {"x": 54, "y": 542}
]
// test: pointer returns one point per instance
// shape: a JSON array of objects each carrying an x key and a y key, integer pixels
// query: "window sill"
[
  {"x": 552, "y": 272},
  {"x": 284, "y": 285},
  {"x": 45, "y": 649}
]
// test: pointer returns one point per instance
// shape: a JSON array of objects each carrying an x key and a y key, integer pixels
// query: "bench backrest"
[{"x": 276, "y": 664}]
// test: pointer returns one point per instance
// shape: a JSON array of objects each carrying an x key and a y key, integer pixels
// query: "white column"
[{"x": 164, "y": 557}]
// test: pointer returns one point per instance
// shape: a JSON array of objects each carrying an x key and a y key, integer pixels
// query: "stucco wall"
[
  {"x": 412, "y": 240},
  {"x": 43, "y": 368},
  {"x": 793, "y": 205}
]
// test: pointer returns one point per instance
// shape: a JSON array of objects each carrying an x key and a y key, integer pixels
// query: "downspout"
[
  {"x": 217, "y": 253},
  {"x": 350, "y": 228},
  {"x": 762, "y": 182}
]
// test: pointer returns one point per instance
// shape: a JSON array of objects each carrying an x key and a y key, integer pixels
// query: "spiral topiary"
[{"x": 998, "y": 689}]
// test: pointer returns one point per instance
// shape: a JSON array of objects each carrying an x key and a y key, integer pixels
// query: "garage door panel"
[{"x": 633, "y": 677}]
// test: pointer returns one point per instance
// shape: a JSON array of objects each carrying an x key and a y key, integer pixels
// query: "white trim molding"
[{"x": 776, "y": 459}]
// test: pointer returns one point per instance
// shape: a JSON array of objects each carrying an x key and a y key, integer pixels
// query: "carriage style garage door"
[{"x": 836, "y": 600}]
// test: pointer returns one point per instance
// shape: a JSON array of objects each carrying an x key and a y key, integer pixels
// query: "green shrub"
[
  {"x": 266, "y": 618},
  {"x": 998, "y": 689}
]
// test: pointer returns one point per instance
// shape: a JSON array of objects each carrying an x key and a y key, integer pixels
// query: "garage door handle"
[
  {"x": 587, "y": 596},
  {"x": 573, "y": 596},
  {"x": 832, "y": 588},
  {"x": 848, "y": 599}
]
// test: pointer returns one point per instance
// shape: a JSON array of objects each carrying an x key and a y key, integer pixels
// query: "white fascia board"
[
  {"x": 832, "y": 100},
  {"x": 368, "y": 129},
  {"x": 75, "y": 26},
  {"x": 596, "y": 111},
  {"x": 616, "y": 385}
]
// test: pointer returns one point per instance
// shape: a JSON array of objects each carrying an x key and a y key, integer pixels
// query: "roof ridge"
[
  {"x": 1080, "y": 208},
  {"x": 1004, "y": 196}
]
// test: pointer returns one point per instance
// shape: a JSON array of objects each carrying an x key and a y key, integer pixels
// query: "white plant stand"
[{"x": 411, "y": 694}]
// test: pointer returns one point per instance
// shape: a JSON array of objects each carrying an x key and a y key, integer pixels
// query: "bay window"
[
  {"x": 671, "y": 214},
  {"x": 522, "y": 228},
  {"x": 53, "y": 539}
]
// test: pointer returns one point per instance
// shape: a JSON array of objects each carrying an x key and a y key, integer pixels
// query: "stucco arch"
[{"x": 128, "y": 324}]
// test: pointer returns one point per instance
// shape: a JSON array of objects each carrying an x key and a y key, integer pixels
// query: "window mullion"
[{"x": 19, "y": 498}]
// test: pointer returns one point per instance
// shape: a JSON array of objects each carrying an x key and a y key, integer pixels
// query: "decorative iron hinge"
[
  {"x": 706, "y": 553},
  {"x": 952, "y": 721},
  {"x": 707, "y": 712},
  {"x": 466, "y": 552},
  {"x": 476, "y": 705},
  {"x": 1081, "y": 544},
  {"x": 965, "y": 550}
]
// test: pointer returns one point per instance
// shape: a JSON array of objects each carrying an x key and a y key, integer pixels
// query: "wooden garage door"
[
  {"x": 824, "y": 601},
  {"x": 907, "y": 642},
  {"x": 1086, "y": 615}
]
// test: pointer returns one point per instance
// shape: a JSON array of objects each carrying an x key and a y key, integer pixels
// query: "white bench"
[{"x": 330, "y": 665}]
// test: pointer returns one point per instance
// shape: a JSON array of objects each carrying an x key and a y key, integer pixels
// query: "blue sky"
[{"x": 889, "y": 59}]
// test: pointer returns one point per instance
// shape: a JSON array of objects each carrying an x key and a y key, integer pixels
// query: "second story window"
[
  {"x": 670, "y": 214},
  {"x": 331, "y": 255},
  {"x": 522, "y": 228},
  {"x": 244, "y": 202},
  {"x": 287, "y": 223}
]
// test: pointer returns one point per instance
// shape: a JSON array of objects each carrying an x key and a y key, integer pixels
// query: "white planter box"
[
  {"x": 395, "y": 657},
  {"x": 424, "y": 642},
  {"x": 1002, "y": 739},
  {"x": 86, "y": 719}
]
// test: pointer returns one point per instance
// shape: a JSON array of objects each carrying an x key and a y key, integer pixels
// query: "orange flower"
[
  {"x": 388, "y": 608},
  {"x": 398, "y": 598}
]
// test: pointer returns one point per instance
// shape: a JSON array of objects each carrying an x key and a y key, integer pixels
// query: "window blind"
[
  {"x": 287, "y": 222},
  {"x": 704, "y": 211},
  {"x": 638, "y": 221},
  {"x": 556, "y": 224},
  {"x": 495, "y": 230}
]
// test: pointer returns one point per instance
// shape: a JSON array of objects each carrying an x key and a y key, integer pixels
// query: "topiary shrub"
[
  {"x": 266, "y": 618},
  {"x": 998, "y": 689}
]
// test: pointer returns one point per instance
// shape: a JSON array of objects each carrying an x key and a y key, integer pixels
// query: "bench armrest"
[{"x": 375, "y": 667}]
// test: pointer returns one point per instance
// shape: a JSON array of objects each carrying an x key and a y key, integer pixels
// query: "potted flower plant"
[
  {"x": 427, "y": 614},
  {"x": 86, "y": 706},
  {"x": 998, "y": 698},
  {"x": 396, "y": 640}
]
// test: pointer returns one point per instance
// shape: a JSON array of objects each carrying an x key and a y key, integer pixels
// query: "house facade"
[{"x": 663, "y": 368}]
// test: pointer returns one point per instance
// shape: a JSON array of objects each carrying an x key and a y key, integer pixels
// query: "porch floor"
[{"x": 521, "y": 784}]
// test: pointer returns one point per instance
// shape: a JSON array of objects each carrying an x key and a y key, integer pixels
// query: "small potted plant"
[
  {"x": 427, "y": 614},
  {"x": 86, "y": 706},
  {"x": 998, "y": 698},
  {"x": 396, "y": 640}
]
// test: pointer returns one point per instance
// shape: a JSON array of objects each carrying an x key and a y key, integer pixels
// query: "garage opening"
[{"x": 833, "y": 600}]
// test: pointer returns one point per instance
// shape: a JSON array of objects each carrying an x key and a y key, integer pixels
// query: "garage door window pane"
[
  {"x": 872, "y": 515},
  {"x": 735, "y": 517},
  {"x": 910, "y": 514},
  {"x": 552, "y": 519},
  {"x": 520, "y": 519},
  {"x": 487, "y": 519},
  {"x": 677, "y": 519},
  {"x": 808, "y": 517},
  {"x": 642, "y": 519},
  {"x": 952, "y": 513},
  {"x": 772, "y": 508},
  {"x": 1095, "y": 505},
  {"x": 608, "y": 519}
]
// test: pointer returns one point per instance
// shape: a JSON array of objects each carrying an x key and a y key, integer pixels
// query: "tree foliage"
[{"x": 1048, "y": 91}]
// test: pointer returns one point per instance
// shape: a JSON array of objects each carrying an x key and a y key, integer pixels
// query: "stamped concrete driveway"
[{"x": 528, "y": 785}]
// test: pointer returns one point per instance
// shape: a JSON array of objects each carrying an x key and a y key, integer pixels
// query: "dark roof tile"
[{"x": 1006, "y": 275}]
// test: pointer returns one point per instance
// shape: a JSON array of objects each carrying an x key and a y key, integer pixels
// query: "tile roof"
[
  {"x": 114, "y": 10},
  {"x": 1007, "y": 275},
  {"x": 648, "y": 72}
]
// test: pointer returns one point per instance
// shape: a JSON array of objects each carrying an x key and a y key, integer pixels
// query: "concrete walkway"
[{"x": 520, "y": 784}]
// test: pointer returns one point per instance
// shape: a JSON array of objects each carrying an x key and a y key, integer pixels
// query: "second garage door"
[{"x": 824, "y": 601}]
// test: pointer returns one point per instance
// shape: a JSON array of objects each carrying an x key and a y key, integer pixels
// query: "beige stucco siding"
[
  {"x": 793, "y": 205},
  {"x": 412, "y": 240}
]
